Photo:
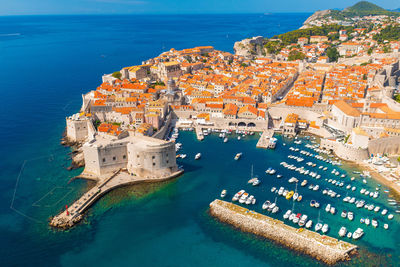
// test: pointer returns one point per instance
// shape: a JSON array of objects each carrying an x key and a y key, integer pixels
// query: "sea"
[{"x": 48, "y": 62}]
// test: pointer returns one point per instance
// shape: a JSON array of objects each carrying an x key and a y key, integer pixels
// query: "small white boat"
[
  {"x": 367, "y": 221},
  {"x": 342, "y": 231},
  {"x": 358, "y": 233},
  {"x": 273, "y": 189},
  {"x": 390, "y": 216},
  {"x": 198, "y": 156},
  {"x": 325, "y": 228},
  {"x": 386, "y": 226},
  {"x": 328, "y": 208},
  {"x": 237, "y": 156},
  {"x": 266, "y": 205},
  {"x": 287, "y": 214},
  {"x": 304, "y": 183},
  {"x": 223, "y": 193},
  {"x": 332, "y": 210},
  {"x": 374, "y": 223},
  {"x": 349, "y": 235},
  {"x": 225, "y": 139},
  {"x": 275, "y": 209},
  {"x": 318, "y": 227},
  {"x": 350, "y": 215},
  {"x": 309, "y": 224}
]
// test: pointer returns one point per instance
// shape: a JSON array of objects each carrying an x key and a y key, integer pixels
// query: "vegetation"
[
  {"x": 117, "y": 75},
  {"x": 346, "y": 139},
  {"x": 292, "y": 36},
  {"x": 244, "y": 65},
  {"x": 332, "y": 53},
  {"x": 273, "y": 47},
  {"x": 397, "y": 98},
  {"x": 153, "y": 85},
  {"x": 390, "y": 33},
  {"x": 296, "y": 55}
]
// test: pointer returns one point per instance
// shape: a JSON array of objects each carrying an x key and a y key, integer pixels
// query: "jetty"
[
  {"x": 321, "y": 247},
  {"x": 74, "y": 213},
  {"x": 199, "y": 133},
  {"x": 264, "y": 139}
]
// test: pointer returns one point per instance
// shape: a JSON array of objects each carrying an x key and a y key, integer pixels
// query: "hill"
[{"x": 365, "y": 8}]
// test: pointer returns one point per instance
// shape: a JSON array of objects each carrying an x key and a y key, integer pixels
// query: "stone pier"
[
  {"x": 321, "y": 247},
  {"x": 264, "y": 139},
  {"x": 67, "y": 219}
]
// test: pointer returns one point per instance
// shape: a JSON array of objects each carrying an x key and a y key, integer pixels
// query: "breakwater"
[
  {"x": 323, "y": 248},
  {"x": 68, "y": 218}
]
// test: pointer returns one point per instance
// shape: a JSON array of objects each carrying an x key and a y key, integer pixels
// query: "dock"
[
  {"x": 321, "y": 247},
  {"x": 71, "y": 216},
  {"x": 199, "y": 133},
  {"x": 264, "y": 139}
]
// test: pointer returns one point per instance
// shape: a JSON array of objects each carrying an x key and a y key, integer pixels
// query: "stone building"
[
  {"x": 140, "y": 155},
  {"x": 79, "y": 127}
]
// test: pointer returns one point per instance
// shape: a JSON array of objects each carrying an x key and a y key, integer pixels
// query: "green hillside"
[{"x": 363, "y": 8}]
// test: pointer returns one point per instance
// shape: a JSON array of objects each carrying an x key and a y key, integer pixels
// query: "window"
[
  {"x": 124, "y": 156},
  {"x": 167, "y": 161},
  {"x": 104, "y": 159},
  {"x": 114, "y": 158},
  {"x": 137, "y": 155},
  {"x": 153, "y": 157},
  {"x": 154, "y": 164}
]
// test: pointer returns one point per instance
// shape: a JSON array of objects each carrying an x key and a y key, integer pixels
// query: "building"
[{"x": 140, "y": 155}]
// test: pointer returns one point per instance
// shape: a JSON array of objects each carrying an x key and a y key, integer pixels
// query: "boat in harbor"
[
  {"x": 243, "y": 198},
  {"x": 318, "y": 227},
  {"x": 304, "y": 183},
  {"x": 309, "y": 224},
  {"x": 328, "y": 208},
  {"x": 358, "y": 233},
  {"x": 223, "y": 193},
  {"x": 272, "y": 143},
  {"x": 249, "y": 200},
  {"x": 343, "y": 214},
  {"x": 303, "y": 220},
  {"x": 386, "y": 226},
  {"x": 238, "y": 195},
  {"x": 350, "y": 215},
  {"x": 198, "y": 156},
  {"x": 342, "y": 231},
  {"x": 325, "y": 228},
  {"x": 289, "y": 195},
  {"x": 225, "y": 139},
  {"x": 256, "y": 182},
  {"x": 287, "y": 214},
  {"x": 367, "y": 221},
  {"x": 374, "y": 223},
  {"x": 296, "y": 219},
  {"x": 238, "y": 155},
  {"x": 266, "y": 205}
]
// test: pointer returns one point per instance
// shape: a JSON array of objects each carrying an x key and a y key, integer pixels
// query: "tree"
[
  {"x": 332, "y": 54},
  {"x": 397, "y": 98},
  {"x": 296, "y": 55},
  {"x": 273, "y": 47},
  {"x": 117, "y": 75}
]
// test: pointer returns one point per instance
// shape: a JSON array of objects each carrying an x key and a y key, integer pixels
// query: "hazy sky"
[{"x": 23, "y": 7}]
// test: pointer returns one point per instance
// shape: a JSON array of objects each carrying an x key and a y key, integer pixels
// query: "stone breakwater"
[{"x": 323, "y": 248}]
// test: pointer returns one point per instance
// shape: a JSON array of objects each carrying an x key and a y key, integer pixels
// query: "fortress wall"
[
  {"x": 77, "y": 130},
  {"x": 160, "y": 134},
  {"x": 345, "y": 151},
  {"x": 388, "y": 145}
]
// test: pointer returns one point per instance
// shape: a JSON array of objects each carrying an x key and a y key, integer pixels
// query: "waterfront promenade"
[
  {"x": 264, "y": 139},
  {"x": 75, "y": 212},
  {"x": 321, "y": 247}
]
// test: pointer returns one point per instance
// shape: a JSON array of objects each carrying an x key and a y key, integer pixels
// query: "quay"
[
  {"x": 71, "y": 216},
  {"x": 264, "y": 139},
  {"x": 199, "y": 133},
  {"x": 323, "y": 248}
]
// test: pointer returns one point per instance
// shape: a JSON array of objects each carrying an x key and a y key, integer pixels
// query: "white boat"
[
  {"x": 225, "y": 139},
  {"x": 303, "y": 220},
  {"x": 183, "y": 156},
  {"x": 287, "y": 214},
  {"x": 296, "y": 219},
  {"x": 198, "y": 155},
  {"x": 238, "y": 138},
  {"x": 273, "y": 189},
  {"x": 304, "y": 183},
  {"x": 309, "y": 224},
  {"x": 374, "y": 223},
  {"x": 350, "y": 215},
  {"x": 272, "y": 171},
  {"x": 386, "y": 226},
  {"x": 358, "y": 233},
  {"x": 390, "y": 216},
  {"x": 293, "y": 180},
  {"x": 275, "y": 209},
  {"x": 332, "y": 210},
  {"x": 367, "y": 221},
  {"x": 318, "y": 227},
  {"x": 256, "y": 182},
  {"x": 377, "y": 208},
  {"x": 278, "y": 176},
  {"x": 325, "y": 228},
  {"x": 243, "y": 198},
  {"x": 316, "y": 187},
  {"x": 266, "y": 205},
  {"x": 343, "y": 214},
  {"x": 223, "y": 193},
  {"x": 342, "y": 231},
  {"x": 249, "y": 200},
  {"x": 238, "y": 155},
  {"x": 280, "y": 191},
  {"x": 292, "y": 216},
  {"x": 328, "y": 208},
  {"x": 384, "y": 211}
]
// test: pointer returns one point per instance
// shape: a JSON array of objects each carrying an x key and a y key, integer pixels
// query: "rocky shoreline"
[{"x": 323, "y": 248}]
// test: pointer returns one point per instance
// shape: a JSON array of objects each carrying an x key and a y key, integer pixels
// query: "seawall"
[{"x": 323, "y": 248}]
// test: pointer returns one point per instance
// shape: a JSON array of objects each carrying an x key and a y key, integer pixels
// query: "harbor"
[{"x": 321, "y": 247}]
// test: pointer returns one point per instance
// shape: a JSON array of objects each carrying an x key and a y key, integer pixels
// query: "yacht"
[
  {"x": 296, "y": 219},
  {"x": 358, "y": 233},
  {"x": 309, "y": 224},
  {"x": 249, "y": 200},
  {"x": 303, "y": 220},
  {"x": 293, "y": 180},
  {"x": 238, "y": 155},
  {"x": 198, "y": 155},
  {"x": 295, "y": 196},
  {"x": 243, "y": 198},
  {"x": 223, "y": 193},
  {"x": 342, "y": 231}
]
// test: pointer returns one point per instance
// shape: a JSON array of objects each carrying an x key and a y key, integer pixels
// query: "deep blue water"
[{"x": 47, "y": 62}]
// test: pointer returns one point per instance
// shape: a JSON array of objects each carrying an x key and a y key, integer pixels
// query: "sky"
[{"x": 42, "y": 7}]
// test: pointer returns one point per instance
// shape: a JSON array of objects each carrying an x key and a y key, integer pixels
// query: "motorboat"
[
  {"x": 350, "y": 215},
  {"x": 367, "y": 221},
  {"x": 256, "y": 182},
  {"x": 243, "y": 198},
  {"x": 304, "y": 183},
  {"x": 289, "y": 195},
  {"x": 273, "y": 189},
  {"x": 278, "y": 176},
  {"x": 374, "y": 223},
  {"x": 295, "y": 196},
  {"x": 343, "y": 214},
  {"x": 249, "y": 200},
  {"x": 303, "y": 220},
  {"x": 225, "y": 139},
  {"x": 386, "y": 226},
  {"x": 309, "y": 224},
  {"x": 384, "y": 211},
  {"x": 280, "y": 191},
  {"x": 223, "y": 193},
  {"x": 332, "y": 210},
  {"x": 296, "y": 219},
  {"x": 328, "y": 208},
  {"x": 293, "y": 180},
  {"x": 390, "y": 216},
  {"x": 237, "y": 195},
  {"x": 312, "y": 203},
  {"x": 198, "y": 156},
  {"x": 287, "y": 214},
  {"x": 358, "y": 233},
  {"x": 342, "y": 231},
  {"x": 318, "y": 227},
  {"x": 325, "y": 228},
  {"x": 266, "y": 205},
  {"x": 362, "y": 220},
  {"x": 237, "y": 156}
]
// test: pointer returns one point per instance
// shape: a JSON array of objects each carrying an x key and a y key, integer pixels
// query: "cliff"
[
  {"x": 316, "y": 15},
  {"x": 249, "y": 47}
]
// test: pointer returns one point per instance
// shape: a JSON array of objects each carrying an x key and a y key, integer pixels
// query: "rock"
[
  {"x": 316, "y": 15},
  {"x": 249, "y": 47}
]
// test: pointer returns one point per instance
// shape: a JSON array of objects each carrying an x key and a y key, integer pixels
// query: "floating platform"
[{"x": 321, "y": 247}]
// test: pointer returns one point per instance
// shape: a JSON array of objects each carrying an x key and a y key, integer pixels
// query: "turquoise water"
[{"x": 45, "y": 68}]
